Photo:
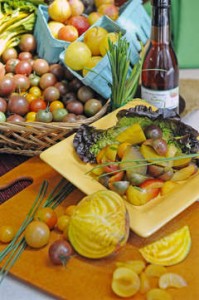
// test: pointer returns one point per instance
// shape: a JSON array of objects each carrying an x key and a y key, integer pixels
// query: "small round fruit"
[
  {"x": 75, "y": 107},
  {"x": 37, "y": 234},
  {"x": 77, "y": 55},
  {"x": 69, "y": 210},
  {"x": 63, "y": 222},
  {"x": 59, "y": 252},
  {"x": 104, "y": 44},
  {"x": 54, "y": 28},
  {"x": 31, "y": 116},
  {"x": 93, "y": 37},
  {"x": 59, "y": 10},
  {"x": 68, "y": 33},
  {"x": 93, "y": 17},
  {"x": 92, "y": 106},
  {"x": 2, "y": 117},
  {"x": 46, "y": 215},
  {"x": 110, "y": 10},
  {"x": 85, "y": 93},
  {"x": 59, "y": 114},
  {"x": 7, "y": 233},
  {"x": 93, "y": 61},
  {"x": 55, "y": 105}
]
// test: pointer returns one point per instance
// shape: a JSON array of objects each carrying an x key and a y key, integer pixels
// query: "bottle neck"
[{"x": 160, "y": 31}]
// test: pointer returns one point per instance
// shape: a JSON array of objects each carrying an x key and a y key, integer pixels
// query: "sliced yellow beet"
[
  {"x": 171, "y": 280},
  {"x": 125, "y": 282},
  {"x": 136, "y": 265},
  {"x": 155, "y": 270},
  {"x": 158, "y": 294},
  {"x": 150, "y": 155},
  {"x": 133, "y": 135},
  {"x": 184, "y": 174},
  {"x": 169, "y": 250}
]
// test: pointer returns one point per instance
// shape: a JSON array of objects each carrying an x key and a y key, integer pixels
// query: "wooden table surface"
[{"x": 83, "y": 278}]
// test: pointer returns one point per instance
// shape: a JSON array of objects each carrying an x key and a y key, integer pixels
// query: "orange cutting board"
[{"x": 83, "y": 278}]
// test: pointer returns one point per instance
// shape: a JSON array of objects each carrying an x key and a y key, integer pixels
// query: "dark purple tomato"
[
  {"x": 68, "y": 97},
  {"x": 22, "y": 82},
  {"x": 17, "y": 104},
  {"x": 51, "y": 93},
  {"x": 62, "y": 86},
  {"x": 68, "y": 75},
  {"x": 11, "y": 65},
  {"x": 58, "y": 71},
  {"x": 34, "y": 79},
  {"x": 59, "y": 252},
  {"x": 75, "y": 84},
  {"x": 40, "y": 66},
  {"x": 160, "y": 146},
  {"x": 15, "y": 118},
  {"x": 46, "y": 80},
  {"x": 7, "y": 86},
  {"x": 71, "y": 118},
  {"x": 44, "y": 115},
  {"x": 3, "y": 105},
  {"x": 75, "y": 107},
  {"x": 8, "y": 54},
  {"x": 85, "y": 93},
  {"x": 92, "y": 106},
  {"x": 153, "y": 132},
  {"x": 27, "y": 42}
]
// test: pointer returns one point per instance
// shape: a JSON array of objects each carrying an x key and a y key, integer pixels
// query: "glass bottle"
[{"x": 160, "y": 73}]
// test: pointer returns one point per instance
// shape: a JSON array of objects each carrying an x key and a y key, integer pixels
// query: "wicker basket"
[{"x": 32, "y": 138}]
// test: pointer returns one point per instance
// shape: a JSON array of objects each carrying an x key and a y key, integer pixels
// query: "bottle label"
[{"x": 161, "y": 99}]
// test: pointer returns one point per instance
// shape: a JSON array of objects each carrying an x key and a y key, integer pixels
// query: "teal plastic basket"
[
  {"x": 48, "y": 47},
  {"x": 99, "y": 78}
]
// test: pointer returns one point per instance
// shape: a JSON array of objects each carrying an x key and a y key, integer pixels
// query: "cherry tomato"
[
  {"x": 55, "y": 105},
  {"x": 30, "y": 97},
  {"x": 7, "y": 233},
  {"x": 44, "y": 115},
  {"x": 152, "y": 187},
  {"x": 62, "y": 222},
  {"x": 31, "y": 116},
  {"x": 69, "y": 210},
  {"x": 59, "y": 252},
  {"x": 46, "y": 215},
  {"x": 37, "y": 234},
  {"x": 59, "y": 114},
  {"x": 2, "y": 117},
  {"x": 37, "y": 104},
  {"x": 36, "y": 91}
]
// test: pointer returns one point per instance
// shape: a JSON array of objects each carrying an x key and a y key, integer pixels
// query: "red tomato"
[
  {"x": 47, "y": 215},
  {"x": 152, "y": 187},
  {"x": 110, "y": 168},
  {"x": 37, "y": 104}
]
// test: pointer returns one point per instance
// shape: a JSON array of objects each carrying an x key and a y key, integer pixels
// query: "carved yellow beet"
[{"x": 99, "y": 225}]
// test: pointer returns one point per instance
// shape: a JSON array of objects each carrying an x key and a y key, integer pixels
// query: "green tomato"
[
  {"x": 59, "y": 114},
  {"x": 44, "y": 115},
  {"x": 2, "y": 117}
]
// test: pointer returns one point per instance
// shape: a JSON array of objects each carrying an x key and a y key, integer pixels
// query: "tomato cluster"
[{"x": 31, "y": 89}]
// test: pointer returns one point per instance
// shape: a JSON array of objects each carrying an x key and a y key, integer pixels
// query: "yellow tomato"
[
  {"x": 55, "y": 105},
  {"x": 36, "y": 91},
  {"x": 30, "y": 97},
  {"x": 69, "y": 210},
  {"x": 31, "y": 116},
  {"x": 7, "y": 233},
  {"x": 62, "y": 222}
]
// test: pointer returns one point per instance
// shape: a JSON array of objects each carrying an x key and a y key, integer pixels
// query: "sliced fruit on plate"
[{"x": 169, "y": 250}]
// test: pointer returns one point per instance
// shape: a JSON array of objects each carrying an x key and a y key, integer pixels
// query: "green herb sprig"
[{"x": 125, "y": 77}]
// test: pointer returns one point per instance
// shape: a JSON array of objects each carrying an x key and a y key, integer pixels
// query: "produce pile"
[{"x": 31, "y": 88}]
